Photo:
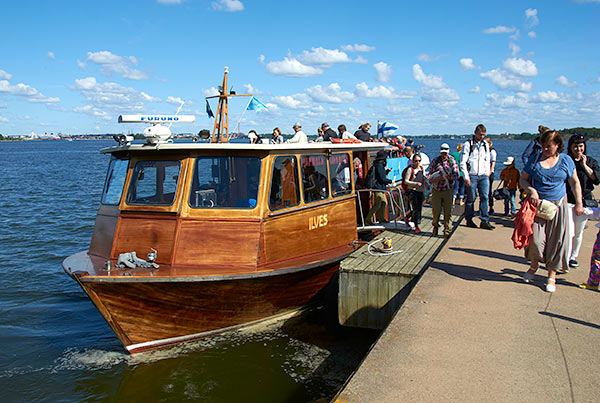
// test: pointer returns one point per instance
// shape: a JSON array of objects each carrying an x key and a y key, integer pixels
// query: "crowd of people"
[{"x": 554, "y": 190}]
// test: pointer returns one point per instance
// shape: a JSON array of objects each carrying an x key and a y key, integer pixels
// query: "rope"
[{"x": 381, "y": 252}]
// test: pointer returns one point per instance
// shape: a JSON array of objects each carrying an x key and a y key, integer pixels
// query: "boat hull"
[{"x": 147, "y": 314}]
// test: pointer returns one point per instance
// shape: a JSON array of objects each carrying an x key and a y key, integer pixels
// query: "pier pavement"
[{"x": 473, "y": 331}]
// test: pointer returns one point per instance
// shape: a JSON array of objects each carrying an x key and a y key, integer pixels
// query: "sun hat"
[
  {"x": 509, "y": 161},
  {"x": 445, "y": 148},
  {"x": 381, "y": 155}
]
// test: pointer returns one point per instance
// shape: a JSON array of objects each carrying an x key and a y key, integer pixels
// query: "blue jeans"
[
  {"x": 511, "y": 200},
  {"x": 459, "y": 188},
  {"x": 479, "y": 184}
]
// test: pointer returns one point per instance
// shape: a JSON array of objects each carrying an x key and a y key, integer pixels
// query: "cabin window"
[
  {"x": 225, "y": 182},
  {"x": 285, "y": 187},
  {"x": 154, "y": 183},
  {"x": 115, "y": 180},
  {"x": 340, "y": 174},
  {"x": 314, "y": 178}
]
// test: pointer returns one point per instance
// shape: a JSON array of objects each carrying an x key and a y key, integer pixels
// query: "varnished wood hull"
[{"x": 148, "y": 314}]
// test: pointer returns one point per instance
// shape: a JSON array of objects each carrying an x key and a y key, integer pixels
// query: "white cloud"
[
  {"x": 384, "y": 72},
  {"x": 291, "y": 67},
  {"x": 514, "y": 48},
  {"x": 111, "y": 63},
  {"x": 3, "y": 119},
  {"x": 532, "y": 34},
  {"x": 506, "y": 81},
  {"x": 562, "y": 80},
  {"x": 428, "y": 80},
  {"x": 174, "y": 100},
  {"x": 211, "y": 92},
  {"x": 261, "y": 59},
  {"x": 548, "y": 97},
  {"x": 467, "y": 64},
  {"x": 24, "y": 90},
  {"x": 358, "y": 48},
  {"x": 89, "y": 110},
  {"x": 426, "y": 57},
  {"x": 228, "y": 5},
  {"x": 111, "y": 97},
  {"x": 508, "y": 101},
  {"x": 4, "y": 75},
  {"x": 363, "y": 91},
  {"x": 440, "y": 96},
  {"x": 51, "y": 55},
  {"x": 522, "y": 67},
  {"x": 500, "y": 29},
  {"x": 297, "y": 101},
  {"x": 532, "y": 17},
  {"x": 80, "y": 64},
  {"x": 149, "y": 98},
  {"x": 361, "y": 60},
  {"x": 331, "y": 94},
  {"x": 323, "y": 57},
  {"x": 251, "y": 89},
  {"x": 475, "y": 90}
]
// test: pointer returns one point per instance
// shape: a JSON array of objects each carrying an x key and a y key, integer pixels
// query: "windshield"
[
  {"x": 225, "y": 182},
  {"x": 154, "y": 183}
]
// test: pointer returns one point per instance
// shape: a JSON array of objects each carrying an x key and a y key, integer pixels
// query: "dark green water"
[{"x": 55, "y": 346}]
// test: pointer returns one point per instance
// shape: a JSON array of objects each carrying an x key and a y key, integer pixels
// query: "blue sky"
[{"x": 431, "y": 67}]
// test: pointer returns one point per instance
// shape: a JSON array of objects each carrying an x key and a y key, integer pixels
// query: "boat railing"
[{"x": 396, "y": 208}]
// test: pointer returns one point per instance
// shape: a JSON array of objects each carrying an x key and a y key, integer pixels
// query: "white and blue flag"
[
  {"x": 386, "y": 128},
  {"x": 256, "y": 105}
]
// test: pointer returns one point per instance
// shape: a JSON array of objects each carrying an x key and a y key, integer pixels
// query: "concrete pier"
[{"x": 472, "y": 330}]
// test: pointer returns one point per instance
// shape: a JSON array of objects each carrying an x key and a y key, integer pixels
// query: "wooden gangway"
[{"x": 372, "y": 286}]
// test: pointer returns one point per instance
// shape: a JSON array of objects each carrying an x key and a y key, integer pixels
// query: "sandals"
[{"x": 551, "y": 285}]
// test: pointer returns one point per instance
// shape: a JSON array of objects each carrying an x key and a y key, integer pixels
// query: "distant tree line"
[{"x": 588, "y": 132}]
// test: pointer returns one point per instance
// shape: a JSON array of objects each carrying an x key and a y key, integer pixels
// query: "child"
[
  {"x": 510, "y": 175},
  {"x": 593, "y": 213}
]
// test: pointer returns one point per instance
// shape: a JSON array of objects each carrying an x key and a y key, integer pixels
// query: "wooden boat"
[{"x": 242, "y": 233}]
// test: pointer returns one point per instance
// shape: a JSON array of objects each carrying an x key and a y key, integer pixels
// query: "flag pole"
[
  {"x": 241, "y": 117},
  {"x": 378, "y": 136}
]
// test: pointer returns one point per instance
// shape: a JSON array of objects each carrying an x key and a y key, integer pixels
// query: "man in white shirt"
[
  {"x": 475, "y": 167},
  {"x": 299, "y": 137}
]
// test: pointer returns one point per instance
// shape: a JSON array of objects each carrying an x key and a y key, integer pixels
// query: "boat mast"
[{"x": 221, "y": 129}]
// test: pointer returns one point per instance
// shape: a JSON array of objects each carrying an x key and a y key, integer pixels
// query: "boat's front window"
[
  {"x": 225, "y": 182},
  {"x": 285, "y": 188},
  {"x": 115, "y": 179},
  {"x": 339, "y": 174},
  {"x": 314, "y": 178},
  {"x": 154, "y": 183}
]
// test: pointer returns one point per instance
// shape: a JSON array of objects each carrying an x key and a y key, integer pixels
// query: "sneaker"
[
  {"x": 417, "y": 230},
  {"x": 527, "y": 277},
  {"x": 550, "y": 287},
  {"x": 471, "y": 224},
  {"x": 573, "y": 263},
  {"x": 486, "y": 225},
  {"x": 587, "y": 286}
]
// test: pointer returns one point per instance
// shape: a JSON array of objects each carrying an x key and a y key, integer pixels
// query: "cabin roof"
[{"x": 366, "y": 146}]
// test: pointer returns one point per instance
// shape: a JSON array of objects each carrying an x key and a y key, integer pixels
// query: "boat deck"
[{"x": 372, "y": 286}]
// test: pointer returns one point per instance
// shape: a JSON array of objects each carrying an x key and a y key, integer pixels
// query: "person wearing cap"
[
  {"x": 300, "y": 136},
  {"x": 588, "y": 174},
  {"x": 443, "y": 171},
  {"x": 328, "y": 132},
  {"x": 381, "y": 181},
  {"x": 510, "y": 176},
  {"x": 475, "y": 166}
]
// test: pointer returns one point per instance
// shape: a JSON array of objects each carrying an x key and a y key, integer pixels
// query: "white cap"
[
  {"x": 297, "y": 124},
  {"x": 509, "y": 161},
  {"x": 444, "y": 148}
]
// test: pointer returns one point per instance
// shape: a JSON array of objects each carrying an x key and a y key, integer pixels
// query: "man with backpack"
[{"x": 475, "y": 166}]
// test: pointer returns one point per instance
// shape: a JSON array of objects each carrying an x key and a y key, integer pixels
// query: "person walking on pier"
[
  {"x": 414, "y": 185},
  {"x": 544, "y": 178},
  {"x": 510, "y": 176},
  {"x": 475, "y": 166},
  {"x": 443, "y": 171},
  {"x": 588, "y": 173}
]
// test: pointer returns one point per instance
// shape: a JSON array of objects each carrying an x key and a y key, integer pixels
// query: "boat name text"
[{"x": 317, "y": 221}]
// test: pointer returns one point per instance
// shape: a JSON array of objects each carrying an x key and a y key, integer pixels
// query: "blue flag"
[
  {"x": 256, "y": 105},
  {"x": 386, "y": 128},
  {"x": 208, "y": 110}
]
